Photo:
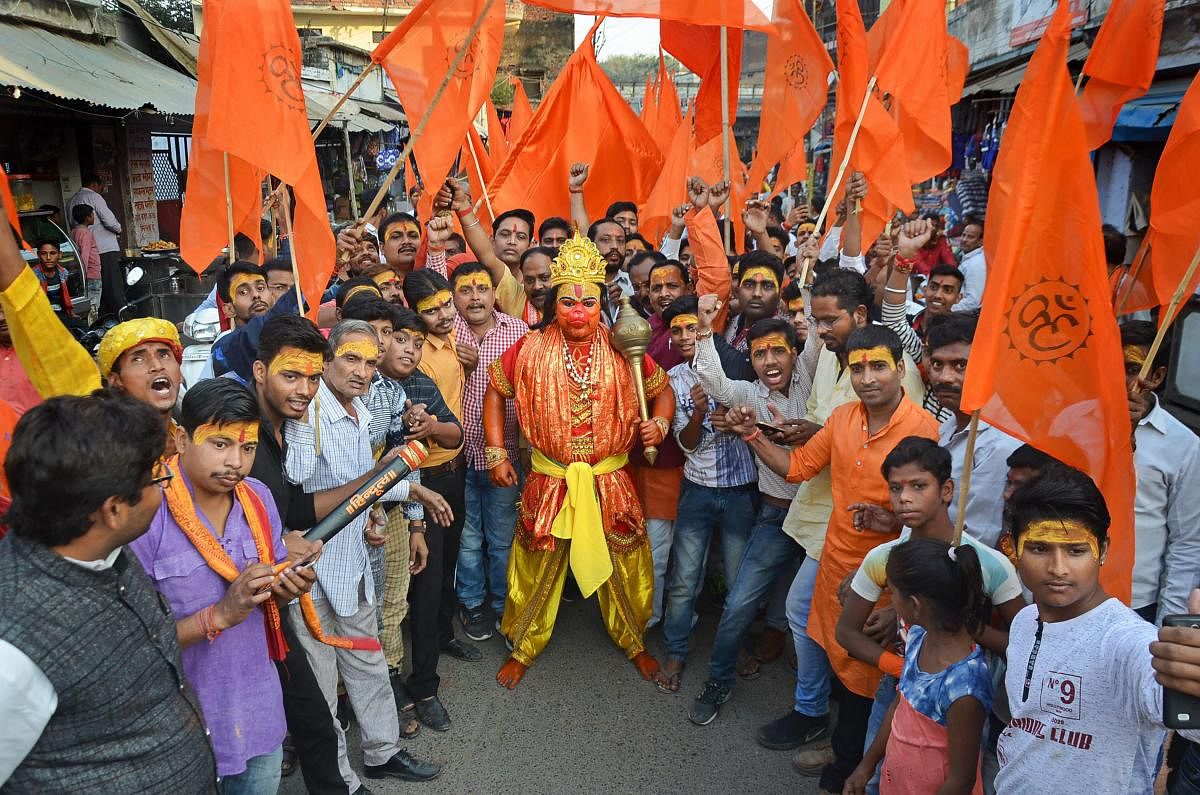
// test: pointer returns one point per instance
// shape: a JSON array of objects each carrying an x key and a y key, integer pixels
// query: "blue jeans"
[
  {"x": 812, "y": 666},
  {"x": 703, "y": 509},
  {"x": 261, "y": 776},
  {"x": 885, "y": 694},
  {"x": 767, "y": 553},
  {"x": 490, "y": 516},
  {"x": 1186, "y": 778}
]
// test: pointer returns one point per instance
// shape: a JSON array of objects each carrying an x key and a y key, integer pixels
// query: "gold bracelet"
[
  {"x": 662, "y": 424},
  {"x": 494, "y": 456}
]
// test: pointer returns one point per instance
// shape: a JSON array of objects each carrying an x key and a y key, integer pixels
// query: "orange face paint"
[
  {"x": 236, "y": 432},
  {"x": 438, "y": 299},
  {"x": 1053, "y": 531},
  {"x": 240, "y": 280},
  {"x": 759, "y": 274},
  {"x": 768, "y": 342},
  {"x": 474, "y": 280},
  {"x": 685, "y": 320},
  {"x": 363, "y": 348},
  {"x": 297, "y": 361},
  {"x": 877, "y": 354}
]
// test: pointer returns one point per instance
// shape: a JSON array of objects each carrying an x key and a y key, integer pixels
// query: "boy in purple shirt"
[{"x": 215, "y": 520}]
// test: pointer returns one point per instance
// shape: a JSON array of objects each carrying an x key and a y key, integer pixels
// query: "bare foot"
[
  {"x": 511, "y": 673},
  {"x": 646, "y": 664}
]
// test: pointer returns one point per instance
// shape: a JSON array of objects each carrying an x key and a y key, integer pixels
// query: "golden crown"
[{"x": 578, "y": 262}]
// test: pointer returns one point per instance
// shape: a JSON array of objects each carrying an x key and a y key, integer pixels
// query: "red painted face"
[{"x": 578, "y": 311}]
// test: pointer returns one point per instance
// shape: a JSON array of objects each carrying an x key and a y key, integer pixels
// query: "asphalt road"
[{"x": 583, "y": 721}]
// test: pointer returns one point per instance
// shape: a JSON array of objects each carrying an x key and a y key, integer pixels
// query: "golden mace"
[{"x": 631, "y": 334}]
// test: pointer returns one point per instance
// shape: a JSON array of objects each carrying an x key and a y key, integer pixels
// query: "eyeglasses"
[{"x": 162, "y": 476}]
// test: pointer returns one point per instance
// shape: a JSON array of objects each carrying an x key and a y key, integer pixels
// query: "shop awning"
[
  {"x": 318, "y": 101},
  {"x": 1147, "y": 118},
  {"x": 112, "y": 75},
  {"x": 1006, "y": 81}
]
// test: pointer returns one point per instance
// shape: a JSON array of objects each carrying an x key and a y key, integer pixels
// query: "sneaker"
[
  {"x": 792, "y": 731},
  {"x": 475, "y": 623},
  {"x": 708, "y": 703},
  {"x": 811, "y": 761}
]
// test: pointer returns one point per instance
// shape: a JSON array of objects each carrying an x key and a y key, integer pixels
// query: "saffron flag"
[
  {"x": 915, "y": 38},
  {"x": 1046, "y": 365},
  {"x": 649, "y": 107},
  {"x": 497, "y": 142},
  {"x": 666, "y": 113},
  {"x": 698, "y": 47},
  {"x": 417, "y": 56},
  {"x": 670, "y": 189},
  {"x": 1121, "y": 65},
  {"x": 732, "y": 13},
  {"x": 1175, "y": 202},
  {"x": 795, "y": 87},
  {"x": 582, "y": 119},
  {"x": 879, "y": 150},
  {"x": 522, "y": 111}
]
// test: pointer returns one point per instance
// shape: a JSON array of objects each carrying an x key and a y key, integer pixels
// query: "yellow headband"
[
  {"x": 362, "y": 288},
  {"x": 132, "y": 333},
  {"x": 243, "y": 278},
  {"x": 775, "y": 340},
  {"x": 796, "y": 305},
  {"x": 477, "y": 279},
  {"x": 877, "y": 354},
  {"x": 240, "y": 432},
  {"x": 764, "y": 274},
  {"x": 365, "y": 349},
  {"x": 297, "y": 361},
  {"x": 1053, "y": 531},
  {"x": 679, "y": 321},
  {"x": 384, "y": 277},
  {"x": 1134, "y": 354},
  {"x": 440, "y": 298}
]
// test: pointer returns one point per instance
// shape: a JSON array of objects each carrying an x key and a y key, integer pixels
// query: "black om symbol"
[{"x": 1050, "y": 322}]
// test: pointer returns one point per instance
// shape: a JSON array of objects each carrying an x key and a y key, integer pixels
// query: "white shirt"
[
  {"x": 831, "y": 245},
  {"x": 28, "y": 697},
  {"x": 1166, "y": 513},
  {"x": 345, "y": 455},
  {"x": 989, "y": 472},
  {"x": 974, "y": 269},
  {"x": 106, "y": 228},
  {"x": 1092, "y": 720}
]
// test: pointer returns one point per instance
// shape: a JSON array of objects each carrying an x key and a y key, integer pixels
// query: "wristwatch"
[{"x": 416, "y": 526}]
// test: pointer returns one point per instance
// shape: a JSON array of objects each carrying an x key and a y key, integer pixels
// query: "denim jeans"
[
  {"x": 767, "y": 553},
  {"x": 703, "y": 509},
  {"x": 491, "y": 516},
  {"x": 885, "y": 694},
  {"x": 812, "y": 665},
  {"x": 261, "y": 776},
  {"x": 1185, "y": 778},
  {"x": 660, "y": 533}
]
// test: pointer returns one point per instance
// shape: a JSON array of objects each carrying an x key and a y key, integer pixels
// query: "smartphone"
[
  {"x": 1181, "y": 711},
  {"x": 768, "y": 428}
]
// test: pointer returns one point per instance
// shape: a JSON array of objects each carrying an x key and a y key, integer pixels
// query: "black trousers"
[
  {"x": 849, "y": 734},
  {"x": 308, "y": 720},
  {"x": 112, "y": 278},
  {"x": 431, "y": 597}
]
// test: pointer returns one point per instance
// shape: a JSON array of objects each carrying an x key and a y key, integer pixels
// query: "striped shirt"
[
  {"x": 386, "y": 401},
  {"x": 720, "y": 460},
  {"x": 498, "y": 339},
  {"x": 895, "y": 317},
  {"x": 345, "y": 455}
]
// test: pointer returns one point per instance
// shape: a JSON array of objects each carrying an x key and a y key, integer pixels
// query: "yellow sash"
[{"x": 579, "y": 519}]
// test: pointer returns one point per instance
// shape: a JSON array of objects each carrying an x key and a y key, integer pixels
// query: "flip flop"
[
  {"x": 748, "y": 666},
  {"x": 672, "y": 688}
]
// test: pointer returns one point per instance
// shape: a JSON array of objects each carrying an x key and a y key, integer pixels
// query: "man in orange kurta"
[
  {"x": 853, "y": 443},
  {"x": 577, "y": 405}
]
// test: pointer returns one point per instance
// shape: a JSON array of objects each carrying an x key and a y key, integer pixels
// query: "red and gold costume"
[{"x": 576, "y": 402}]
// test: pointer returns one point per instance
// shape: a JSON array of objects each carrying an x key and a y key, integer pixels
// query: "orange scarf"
[{"x": 183, "y": 511}]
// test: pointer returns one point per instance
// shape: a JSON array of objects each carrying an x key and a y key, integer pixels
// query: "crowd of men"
[{"x": 165, "y": 625}]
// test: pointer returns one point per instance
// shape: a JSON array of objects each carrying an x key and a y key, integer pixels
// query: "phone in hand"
[
  {"x": 769, "y": 429},
  {"x": 1180, "y": 710}
]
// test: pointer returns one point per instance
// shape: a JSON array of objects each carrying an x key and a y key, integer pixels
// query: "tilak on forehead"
[
  {"x": 385, "y": 277},
  {"x": 296, "y": 361},
  {"x": 367, "y": 349},
  {"x": 684, "y": 320},
  {"x": 796, "y": 305},
  {"x": 440, "y": 298},
  {"x": 877, "y": 354},
  {"x": 759, "y": 274},
  {"x": 663, "y": 274},
  {"x": 1135, "y": 354},
  {"x": 477, "y": 279},
  {"x": 362, "y": 288},
  {"x": 1055, "y": 531},
  {"x": 240, "y": 279},
  {"x": 240, "y": 432},
  {"x": 768, "y": 341}
]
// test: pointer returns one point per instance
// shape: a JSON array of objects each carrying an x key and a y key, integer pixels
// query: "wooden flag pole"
[
  {"x": 349, "y": 170},
  {"x": 229, "y": 209},
  {"x": 342, "y": 99},
  {"x": 1131, "y": 278},
  {"x": 482, "y": 184},
  {"x": 725, "y": 150},
  {"x": 964, "y": 488},
  {"x": 420, "y": 128},
  {"x": 841, "y": 172},
  {"x": 1166, "y": 318},
  {"x": 287, "y": 224}
]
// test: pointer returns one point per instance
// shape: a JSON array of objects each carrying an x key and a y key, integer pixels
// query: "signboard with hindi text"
[{"x": 144, "y": 224}]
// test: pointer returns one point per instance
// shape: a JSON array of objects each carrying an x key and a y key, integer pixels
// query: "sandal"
[
  {"x": 410, "y": 727},
  {"x": 406, "y": 706},
  {"x": 748, "y": 666},
  {"x": 667, "y": 680},
  {"x": 290, "y": 760}
]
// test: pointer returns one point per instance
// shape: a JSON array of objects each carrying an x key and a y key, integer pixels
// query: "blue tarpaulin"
[{"x": 1147, "y": 118}]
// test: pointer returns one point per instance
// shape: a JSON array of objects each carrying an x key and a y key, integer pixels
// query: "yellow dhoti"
[{"x": 623, "y": 582}]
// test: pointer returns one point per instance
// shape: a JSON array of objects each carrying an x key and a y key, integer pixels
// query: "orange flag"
[
  {"x": 698, "y": 47},
  {"x": 879, "y": 150},
  {"x": 793, "y": 168},
  {"x": 1046, "y": 366},
  {"x": 583, "y": 118},
  {"x": 10, "y": 208},
  {"x": 958, "y": 65},
  {"x": 670, "y": 189},
  {"x": 1121, "y": 65},
  {"x": 649, "y": 106},
  {"x": 418, "y": 54},
  {"x": 477, "y": 163},
  {"x": 1175, "y": 203},
  {"x": 522, "y": 112},
  {"x": 497, "y": 143},
  {"x": 665, "y": 114},
  {"x": 795, "y": 87},
  {"x": 733, "y": 13},
  {"x": 916, "y": 37},
  {"x": 273, "y": 139}
]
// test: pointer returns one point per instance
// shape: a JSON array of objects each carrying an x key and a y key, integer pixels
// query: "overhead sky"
[{"x": 626, "y": 36}]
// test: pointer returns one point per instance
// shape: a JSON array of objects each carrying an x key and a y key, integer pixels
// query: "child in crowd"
[
  {"x": 87, "y": 252},
  {"x": 929, "y": 740}
]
